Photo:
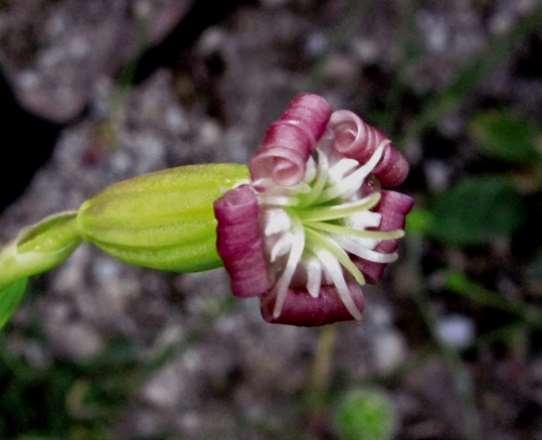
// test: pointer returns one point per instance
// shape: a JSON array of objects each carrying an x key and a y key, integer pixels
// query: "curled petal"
[
  {"x": 289, "y": 141},
  {"x": 310, "y": 112},
  {"x": 393, "y": 207},
  {"x": 393, "y": 169},
  {"x": 302, "y": 309},
  {"x": 358, "y": 140},
  {"x": 240, "y": 242},
  {"x": 283, "y": 155}
]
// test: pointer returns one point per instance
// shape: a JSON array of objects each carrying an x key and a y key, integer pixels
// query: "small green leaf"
[
  {"x": 476, "y": 211},
  {"x": 506, "y": 136},
  {"x": 365, "y": 414},
  {"x": 10, "y": 297}
]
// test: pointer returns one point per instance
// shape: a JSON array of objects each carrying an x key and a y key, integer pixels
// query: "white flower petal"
[
  {"x": 296, "y": 251},
  {"x": 333, "y": 268},
  {"x": 276, "y": 220},
  {"x": 351, "y": 184},
  {"x": 281, "y": 247},
  {"x": 364, "y": 220},
  {"x": 313, "y": 268},
  {"x": 341, "y": 169},
  {"x": 349, "y": 243},
  {"x": 357, "y": 247},
  {"x": 278, "y": 201},
  {"x": 310, "y": 170}
]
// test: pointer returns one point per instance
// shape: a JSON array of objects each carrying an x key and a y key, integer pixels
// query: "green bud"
[
  {"x": 163, "y": 220},
  {"x": 39, "y": 248}
]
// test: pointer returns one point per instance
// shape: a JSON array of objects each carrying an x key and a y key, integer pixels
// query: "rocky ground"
[{"x": 103, "y": 350}]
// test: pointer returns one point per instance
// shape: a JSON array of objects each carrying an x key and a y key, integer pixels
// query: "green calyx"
[{"x": 163, "y": 220}]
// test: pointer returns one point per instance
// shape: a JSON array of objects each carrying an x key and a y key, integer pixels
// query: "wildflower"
[
  {"x": 313, "y": 224},
  {"x": 303, "y": 227}
]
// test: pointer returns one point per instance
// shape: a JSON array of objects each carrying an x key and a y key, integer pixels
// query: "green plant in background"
[
  {"x": 507, "y": 136},
  {"x": 475, "y": 211},
  {"x": 69, "y": 399},
  {"x": 365, "y": 414}
]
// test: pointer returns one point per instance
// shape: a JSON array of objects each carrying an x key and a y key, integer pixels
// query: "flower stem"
[{"x": 321, "y": 368}]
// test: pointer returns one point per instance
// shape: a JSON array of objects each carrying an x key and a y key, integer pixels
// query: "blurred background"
[{"x": 96, "y": 91}]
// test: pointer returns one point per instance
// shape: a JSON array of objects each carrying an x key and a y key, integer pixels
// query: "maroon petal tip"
[
  {"x": 393, "y": 169},
  {"x": 301, "y": 309},
  {"x": 239, "y": 242},
  {"x": 394, "y": 207},
  {"x": 289, "y": 141}
]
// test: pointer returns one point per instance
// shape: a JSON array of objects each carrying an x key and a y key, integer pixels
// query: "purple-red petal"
[
  {"x": 301, "y": 309},
  {"x": 284, "y": 152},
  {"x": 393, "y": 168},
  {"x": 240, "y": 242},
  {"x": 394, "y": 207},
  {"x": 358, "y": 140},
  {"x": 289, "y": 141}
]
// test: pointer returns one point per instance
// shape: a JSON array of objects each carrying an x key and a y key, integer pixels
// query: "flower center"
[{"x": 313, "y": 229}]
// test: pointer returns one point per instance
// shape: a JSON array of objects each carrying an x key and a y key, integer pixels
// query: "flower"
[
  {"x": 314, "y": 224},
  {"x": 302, "y": 228}
]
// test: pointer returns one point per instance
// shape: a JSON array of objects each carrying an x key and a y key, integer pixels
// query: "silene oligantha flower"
[
  {"x": 315, "y": 222},
  {"x": 302, "y": 228}
]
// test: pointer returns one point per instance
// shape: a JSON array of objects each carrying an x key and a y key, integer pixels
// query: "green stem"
[
  {"x": 39, "y": 248},
  {"x": 321, "y": 368}
]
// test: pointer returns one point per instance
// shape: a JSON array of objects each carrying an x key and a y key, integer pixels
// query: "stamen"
[
  {"x": 344, "y": 230},
  {"x": 340, "y": 211}
]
